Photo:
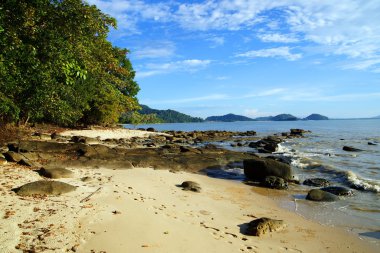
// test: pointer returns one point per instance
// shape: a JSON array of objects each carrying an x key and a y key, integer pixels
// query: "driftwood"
[{"x": 89, "y": 196}]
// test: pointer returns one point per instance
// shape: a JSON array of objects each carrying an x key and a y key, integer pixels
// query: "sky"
[{"x": 253, "y": 57}]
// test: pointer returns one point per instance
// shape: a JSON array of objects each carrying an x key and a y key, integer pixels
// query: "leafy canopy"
[{"x": 57, "y": 66}]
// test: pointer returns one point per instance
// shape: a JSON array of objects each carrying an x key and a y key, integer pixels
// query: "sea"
[{"x": 319, "y": 154}]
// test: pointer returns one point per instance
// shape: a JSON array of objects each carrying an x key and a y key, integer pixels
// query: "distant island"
[
  {"x": 150, "y": 116},
  {"x": 228, "y": 118},
  {"x": 281, "y": 117},
  {"x": 316, "y": 116}
]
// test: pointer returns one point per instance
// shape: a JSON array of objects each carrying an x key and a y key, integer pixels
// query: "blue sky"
[{"x": 253, "y": 57}]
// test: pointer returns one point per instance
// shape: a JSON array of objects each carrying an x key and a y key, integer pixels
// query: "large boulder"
[
  {"x": 55, "y": 173},
  {"x": 264, "y": 225},
  {"x": 338, "y": 190},
  {"x": 321, "y": 196},
  {"x": 44, "y": 187},
  {"x": 259, "y": 168}
]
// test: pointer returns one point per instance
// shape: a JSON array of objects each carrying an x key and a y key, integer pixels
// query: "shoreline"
[{"x": 134, "y": 206}]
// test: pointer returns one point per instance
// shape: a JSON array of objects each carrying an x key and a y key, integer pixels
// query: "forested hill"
[
  {"x": 57, "y": 66},
  {"x": 228, "y": 118},
  {"x": 169, "y": 116}
]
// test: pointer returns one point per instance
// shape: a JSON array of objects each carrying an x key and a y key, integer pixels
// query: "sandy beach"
[{"x": 144, "y": 210}]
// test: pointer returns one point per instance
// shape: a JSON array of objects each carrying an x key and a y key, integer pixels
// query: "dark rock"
[
  {"x": 275, "y": 183},
  {"x": 372, "y": 143},
  {"x": 258, "y": 168},
  {"x": 13, "y": 156},
  {"x": 351, "y": 149},
  {"x": 338, "y": 190},
  {"x": 27, "y": 162},
  {"x": 283, "y": 159},
  {"x": 318, "y": 182},
  {"x": 44, "y": 187},
  {"x": 264, "y": 225},
  {"x": 319, "y": 195},
  {"x": 190, "y": 186},
  {"x": 151, "y": 129},
  {"x": 78, "y": 139},
  {"x": 55, "y": 173},
  {"x": 296, "y": 131}
]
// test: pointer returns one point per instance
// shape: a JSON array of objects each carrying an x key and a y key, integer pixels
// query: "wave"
[
  {"x": 305, "y": 161},
  {"x": 361, "y": 184}
]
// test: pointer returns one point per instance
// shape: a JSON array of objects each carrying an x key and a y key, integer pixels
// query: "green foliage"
[
  {"x": 136, "y": 118},
  {"x": 169, "y": 116},
  {"x": 57, "y": 66}
]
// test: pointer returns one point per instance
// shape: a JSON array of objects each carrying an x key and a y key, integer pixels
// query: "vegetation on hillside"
[
  {"x": 169, "y": 116},
  {"x": 228, "y": 118},
  {"x": 57, "y": 66}
]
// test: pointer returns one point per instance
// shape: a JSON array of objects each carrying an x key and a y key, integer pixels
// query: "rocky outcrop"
[
  {"x": 257, "y": 169},
  {"x": 338, "y": 190},
  {"x": 264, "y": 225},
  {"x": 44, "y": 187},
  {"x": 318, "y": 182},
  {"x": 321, "y": 196}
]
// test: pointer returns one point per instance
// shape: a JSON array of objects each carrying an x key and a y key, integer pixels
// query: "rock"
[
  {"x": 27, "y": 162},
  {"x": 275, "y": 183},
  {"x": 259, "y": 168},
  {"x": 264, "y": 225},
  {"x": 4, "y": 149},
  {"x": 44, "y": 187},
  {"x": 86, "y": 179},
  {"x": 151, "y": 129},
  {"x": 318, "y": 182},
  {"x": 13, "y": 156},
  {"x": 372, "y": 143},
  {"x": 190, "y": 186},
  {"x": 55, "y": 173},
  {"x": 296, "y": 132},
  {"x": 3, "y": 161},
  {"x": 319, "y": 195},
  {"x": 351, "y": 149},
  {"x": 338, "y": 190}
]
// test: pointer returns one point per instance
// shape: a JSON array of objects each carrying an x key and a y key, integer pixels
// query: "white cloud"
[
  {"x": 282, "y": 52},
  {"x": 161, "y": 50},
  {"x": 188, "y": 100},
  {"x": 277, "y": 37},
  {"x": 189, "y": 65},
  {"x": 254, "y": 113},
  {"x": 216, "y": 41},
  {"x": 349, "y": 28},
  {"x": 317, "y": 97},
  {"x": 266, "y": 93}
]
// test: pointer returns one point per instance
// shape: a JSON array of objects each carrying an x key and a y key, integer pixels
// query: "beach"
[{"x": 144, "y": 210}]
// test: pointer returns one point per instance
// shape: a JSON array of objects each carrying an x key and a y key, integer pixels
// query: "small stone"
[
  {"x": 264, "y": 225},
  {"x": 190, "y": 186}
]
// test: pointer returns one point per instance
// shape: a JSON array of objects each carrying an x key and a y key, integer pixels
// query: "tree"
[{"x": 57, "y": 66}]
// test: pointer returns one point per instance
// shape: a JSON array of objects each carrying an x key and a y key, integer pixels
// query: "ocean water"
[{"x": 320, "y": 154}]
